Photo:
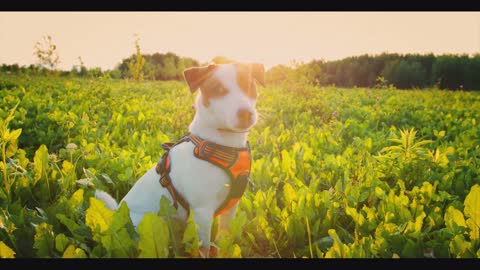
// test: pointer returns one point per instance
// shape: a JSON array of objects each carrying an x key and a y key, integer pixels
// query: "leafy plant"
[
  {"x": 135, "y": 66},
  {"x": 338, "y": 173},
  {"x": 47, "y": 53}
]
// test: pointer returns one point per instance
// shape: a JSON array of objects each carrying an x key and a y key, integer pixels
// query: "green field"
[{"x": 337, "y": 172}]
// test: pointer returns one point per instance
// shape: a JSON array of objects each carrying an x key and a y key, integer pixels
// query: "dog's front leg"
[
  {"x": 204, "y": 218},
  {"x": 223, "y": 227},
  {"x": 224, "y": 221}
]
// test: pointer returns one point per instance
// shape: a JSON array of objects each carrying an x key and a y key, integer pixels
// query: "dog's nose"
[{"x": 244, "y": 118}]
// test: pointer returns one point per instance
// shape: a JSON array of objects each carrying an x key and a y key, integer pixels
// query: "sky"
[{"x": 103, "y": 39}]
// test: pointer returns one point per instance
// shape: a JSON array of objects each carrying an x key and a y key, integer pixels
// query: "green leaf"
[
  {"x": 98, "y": 252},
  {"x": 119, "y": 239},
  {"x": 61, "y": 242},
  {"x": 418, "y": 144},
  {"x": 77, "y": 199},
  {"x": 107, "y": 179},
  {"x": 454, "y": 219},
  {"x": 237, "y": 251},
  {"x": 6, "y": 251},
  {"x": 474, "y": 229},
  {"x": 118, "y": 243},
  {"x": 237, "y": 223},
  {"x": 357, "y": 217},
  {"x": 409, "y": 249},
  {"x": 289, "y": 194},
  {"x": 40, "y": 162},
  {"x": 190, "y": 236},
  {"x": 71, "y": 225},
  {"x": 419, "y": 222},
  {"x": 98, "y": 217},
  {"x": 121, "y": 217},
  {"x": 11, "y": 149},
  {"x": 3, "y": 195},
  {"x": 68, "y": 169},
  {"x": 154, "y": 237},
  {"x": 338, "y": 249},
  {"x": 72, "y": 252},
  {"x": 379, "y": 192},
  {"x": 44, "y": 240},
  {"x": 166, "y": 208},
  {"x": 13, "y": 136},
  {"x": 113, "y": 229},
  {"x": 325, "y": 242},
  {"x": 363, "y": 196},
  {"x": 318, "y": 252},
  {"x": 459, "y": 246},
  {"x": 288, "y": 163},
  {"x": 471, "y": 210}
]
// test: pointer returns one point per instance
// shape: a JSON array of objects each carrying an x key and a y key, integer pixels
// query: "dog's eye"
[{"x": 220, "y": 90}]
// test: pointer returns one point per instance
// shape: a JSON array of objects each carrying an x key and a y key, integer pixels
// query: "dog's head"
[{"x": 227, "y": 95}]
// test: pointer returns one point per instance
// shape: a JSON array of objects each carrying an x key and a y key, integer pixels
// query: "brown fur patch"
[
  {"x": 195, "y": 76},
  {"x": 245, "y": 80},
  {"x": 212, "y": 88}
]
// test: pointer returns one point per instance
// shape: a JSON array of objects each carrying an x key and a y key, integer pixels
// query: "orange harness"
[{"x": 235, "y": 162}]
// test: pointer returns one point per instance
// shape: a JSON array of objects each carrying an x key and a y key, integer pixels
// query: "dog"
[{"x": 203, "y": 180}]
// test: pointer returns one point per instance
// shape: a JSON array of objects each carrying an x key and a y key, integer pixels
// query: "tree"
[
  {"x": 95, "y": 72},
  {"x": 448, "y": 72},
  {"x": 278, "y": 74},
  {"x": 47, "y": 53},
  {"x": 135, "y": 66},
  {"x": 405, "y": 74},
  {"x": 83, "y": 70},
  {"x": 158, "y": 66}
]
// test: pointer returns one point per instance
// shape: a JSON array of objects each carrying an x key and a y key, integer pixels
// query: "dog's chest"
[{"x": 200, "y": 182}]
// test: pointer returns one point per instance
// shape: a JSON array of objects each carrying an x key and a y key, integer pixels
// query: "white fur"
[
  {"x": 202, "y": 184},
  {"x": 110, "y": 202}
]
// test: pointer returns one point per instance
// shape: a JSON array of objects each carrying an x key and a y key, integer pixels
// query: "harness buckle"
[{"x": 165, "y": 180}]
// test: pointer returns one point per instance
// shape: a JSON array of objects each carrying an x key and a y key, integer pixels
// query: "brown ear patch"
[
  {"x": 258, "y": 72},
  {"x": 196, "y": 76},
  {"x": 246, "y": 76}
]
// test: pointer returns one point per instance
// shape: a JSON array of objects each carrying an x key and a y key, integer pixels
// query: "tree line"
[
  {"x": 138, "y": 66},
  {"x": 404, "y": 71},
  {"x": 157, "y": 66}
]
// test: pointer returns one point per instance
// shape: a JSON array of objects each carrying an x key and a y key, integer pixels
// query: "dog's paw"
[
  {"x": 213, "y": 252},
  {"x": 204, "y": 252}
]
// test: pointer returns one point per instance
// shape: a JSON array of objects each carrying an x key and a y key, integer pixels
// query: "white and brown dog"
[{"x": 224, "y": 114}]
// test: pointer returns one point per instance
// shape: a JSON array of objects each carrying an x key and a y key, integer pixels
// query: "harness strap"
[
  {"x": 163, "y": 169},
  {"x": 227, "y": 159},
  {"x": 231, "y": 160},
  {"x": 236, "y": 191}
]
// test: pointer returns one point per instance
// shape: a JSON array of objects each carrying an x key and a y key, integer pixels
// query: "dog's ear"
[
  {"x": 195, "y": 76},
  {"x": 258, "y": 72}
]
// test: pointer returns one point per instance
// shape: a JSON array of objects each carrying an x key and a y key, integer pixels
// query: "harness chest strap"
[
  {"x": 163, "y": 169},
  {"x": 236, "y": 162}
]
